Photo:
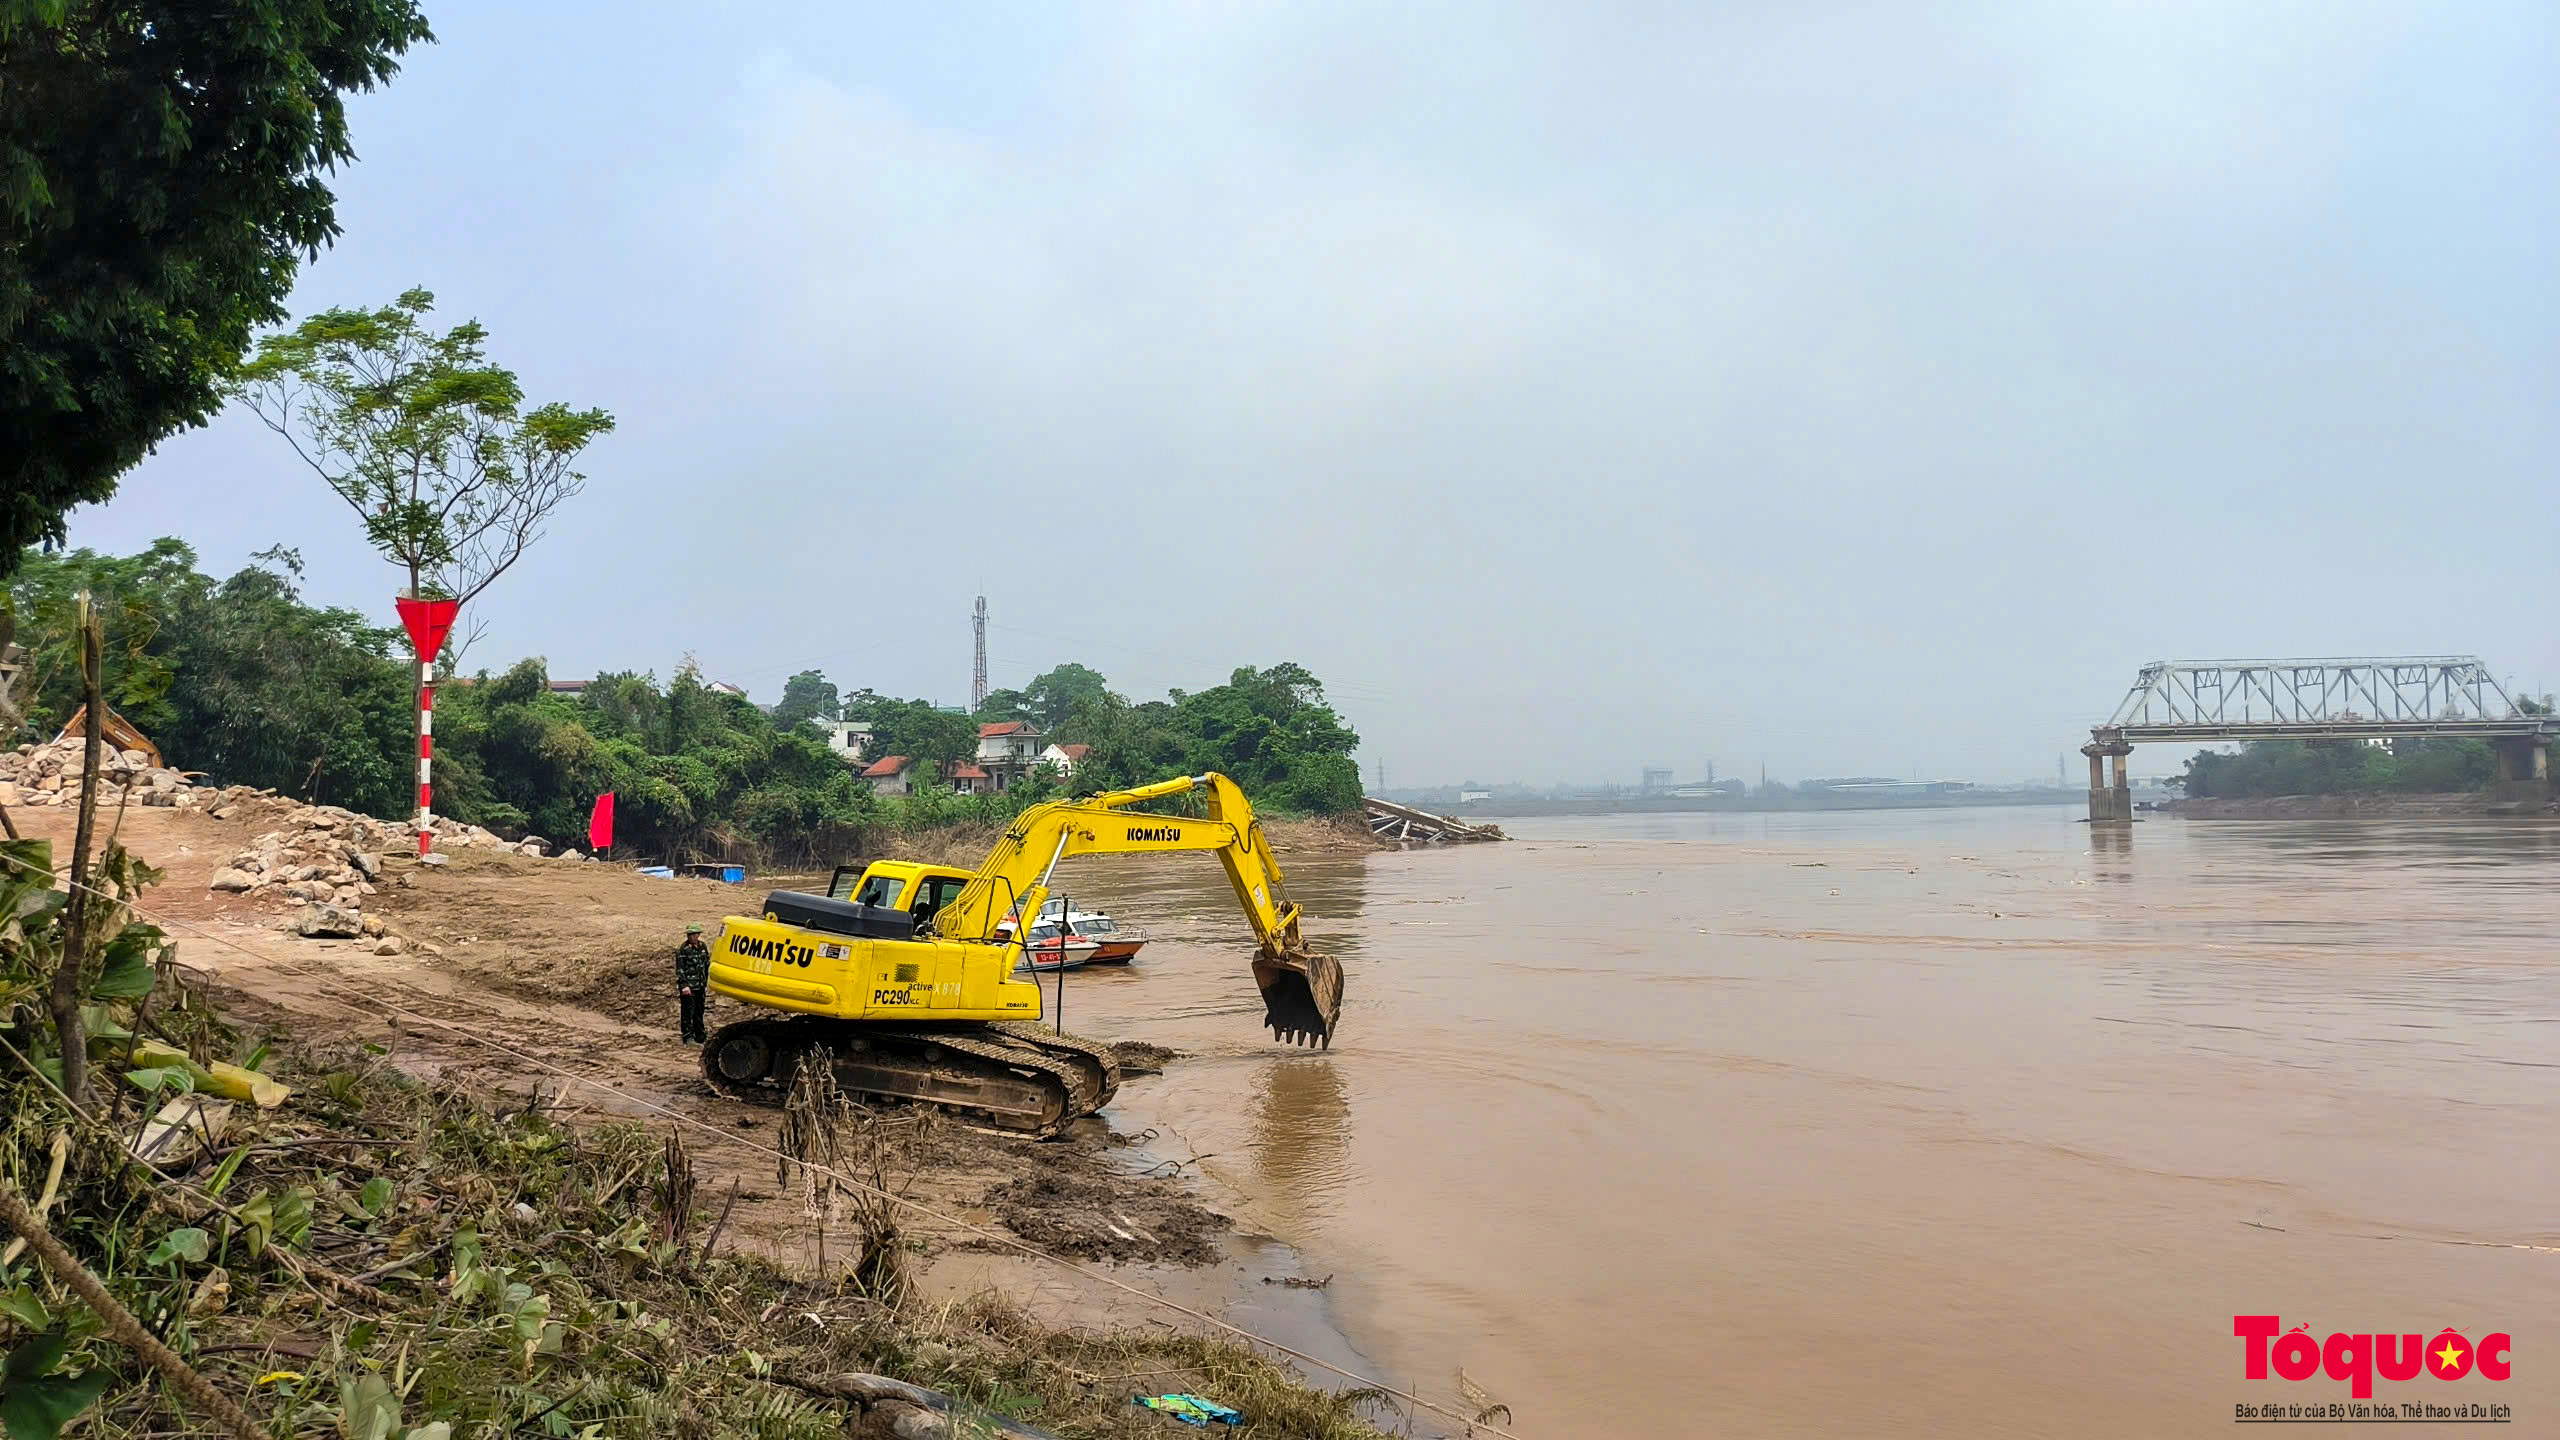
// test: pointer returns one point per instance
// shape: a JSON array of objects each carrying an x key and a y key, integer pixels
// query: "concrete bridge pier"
[
  {"x": 2109, "y": 803},
  {"x": 2527, "y": 758},
  {"x": 2524, "y": 768}
]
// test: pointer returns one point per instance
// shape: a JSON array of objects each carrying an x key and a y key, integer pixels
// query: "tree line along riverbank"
[{"x": 243, "y": 682}]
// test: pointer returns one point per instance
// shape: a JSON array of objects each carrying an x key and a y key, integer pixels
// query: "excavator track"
[
  {"x": 1007, "y": 1076},
  {"x": 1094, "y": 1055}
]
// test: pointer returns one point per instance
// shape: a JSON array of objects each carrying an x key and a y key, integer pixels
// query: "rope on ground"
[
  {"x": 1011, "y": 1242},
  {"x": 121, "y": 1327}
]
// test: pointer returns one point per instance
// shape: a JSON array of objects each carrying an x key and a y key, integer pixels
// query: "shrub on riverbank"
[
  {"x": 2429, "y": 765},
  {"x": 385, "y": 1257}
]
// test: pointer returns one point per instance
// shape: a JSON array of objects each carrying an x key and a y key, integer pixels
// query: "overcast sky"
[{"x": 1845, "y": 388}]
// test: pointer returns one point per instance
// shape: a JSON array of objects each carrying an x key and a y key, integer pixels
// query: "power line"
[{"x": 358, "y": 998}]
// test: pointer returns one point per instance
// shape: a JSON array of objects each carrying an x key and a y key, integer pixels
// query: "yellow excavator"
[{"x": 904, "y": 972}]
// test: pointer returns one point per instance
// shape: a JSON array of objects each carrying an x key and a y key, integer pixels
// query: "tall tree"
[
  {"x": 918, "y": 731},
  {"x": 805, "y": 696},
  {"x": 1059, "y": 693},
  {"x": 1002, "y": 705},
  {"x": 160, "y": 166},
  {"x": 423, "y": 437}
]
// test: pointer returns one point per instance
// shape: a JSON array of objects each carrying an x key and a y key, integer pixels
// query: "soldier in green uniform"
[{"x": 693, "y": 976}]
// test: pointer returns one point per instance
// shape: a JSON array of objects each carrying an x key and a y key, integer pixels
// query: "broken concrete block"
[{"x": 328, "y": 922}]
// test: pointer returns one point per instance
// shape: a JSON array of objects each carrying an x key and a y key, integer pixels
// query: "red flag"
[{"x": 600, "y": 825}]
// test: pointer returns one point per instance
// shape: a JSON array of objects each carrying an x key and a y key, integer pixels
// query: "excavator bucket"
[{"x": 1301, "y": 996}]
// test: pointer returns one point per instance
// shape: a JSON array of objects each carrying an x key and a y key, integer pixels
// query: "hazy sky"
[{"x": 1845, "y": 388}]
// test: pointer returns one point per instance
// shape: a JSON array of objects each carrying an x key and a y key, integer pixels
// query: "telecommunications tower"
[{"x": 978, "y": 671}]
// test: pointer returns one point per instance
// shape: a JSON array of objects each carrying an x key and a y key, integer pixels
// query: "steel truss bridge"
[{"x": 2319, "y": 699}]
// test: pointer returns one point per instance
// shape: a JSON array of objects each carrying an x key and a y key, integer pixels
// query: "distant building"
[
  {"x": 891, "y": 775},
  {"x": 1064, "y": 759},
  {"x": 1470, "y": 797},
  {"x": 968, "y": 779},
  {"x": 847, "y": 738},
  {"x": 1657, "y": 779},
  {"x": 1883, "y": 785},
  {"x": 573, "y": 689},
  {"x": 1007, "y": 751}
]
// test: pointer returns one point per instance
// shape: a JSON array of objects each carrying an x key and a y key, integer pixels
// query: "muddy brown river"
[{"x": 1964, "y": 1123}]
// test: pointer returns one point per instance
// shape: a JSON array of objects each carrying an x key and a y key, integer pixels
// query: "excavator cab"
[{"x": 936, "y": 892}]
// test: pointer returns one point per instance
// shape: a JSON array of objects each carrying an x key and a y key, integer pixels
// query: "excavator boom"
[{"x": 1301, "y": 990}]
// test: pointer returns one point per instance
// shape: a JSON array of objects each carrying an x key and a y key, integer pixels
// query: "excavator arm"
[{"x": 1301, "y": 991}]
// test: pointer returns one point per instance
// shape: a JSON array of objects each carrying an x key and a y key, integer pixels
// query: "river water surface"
[{"x": 1965, "y": 1122}]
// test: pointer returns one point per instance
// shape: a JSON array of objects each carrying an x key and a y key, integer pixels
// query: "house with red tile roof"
[
  {"x": 1008, "y": 750},
  {"x": 890, "y": 775}
]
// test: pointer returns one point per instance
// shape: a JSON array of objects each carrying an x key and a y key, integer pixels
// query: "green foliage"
[
  {"x": 275, "y": 693},
  {"x": 245, "y": 682},
  {"x": 582, "y": 1320},
  {"x": 122, "y": 954},
  {"x": 915, "y": 729},
  {"x": 805, "y": 696},
  {"x": 135, "y": 595},
  {"x": 115, "y": 972},
  {"x": 186, "y": 1243},
  {"x": 1270, "y": 731},
  {"x": 160, "y": 167},
  {"x": 278, "y": 694},
  {"x": 694, "y": 773},
  {"x": 422, "y": 436},
  {"x": 1003, "y": 705},
  {"x": 35, "y": 1403},
  {"x": 2428, "y": 765},
  {"x": 1056, "y": 696}
]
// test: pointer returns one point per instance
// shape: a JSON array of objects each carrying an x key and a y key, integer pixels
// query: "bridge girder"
[{"x": 2366, "y": 698}]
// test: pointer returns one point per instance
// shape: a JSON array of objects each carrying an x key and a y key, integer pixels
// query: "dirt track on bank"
[{"x": 519, "y": 974}]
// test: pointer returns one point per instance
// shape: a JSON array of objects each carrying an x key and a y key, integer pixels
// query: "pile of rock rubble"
[
  {"x": 50, "y": 775},
  {"x": 324, "y": 858}
]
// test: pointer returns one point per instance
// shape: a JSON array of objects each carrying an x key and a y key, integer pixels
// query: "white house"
[
  {"x": 847, "y": 738},
  {"x": 1007, "y": 751},
  {"x": 1063, "y": 759}
]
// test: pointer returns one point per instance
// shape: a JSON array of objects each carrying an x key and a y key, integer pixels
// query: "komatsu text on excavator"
[{"x": 902, "y": 975}]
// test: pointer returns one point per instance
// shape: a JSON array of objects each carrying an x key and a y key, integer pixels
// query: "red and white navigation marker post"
[{"x": 429, "y": 621}]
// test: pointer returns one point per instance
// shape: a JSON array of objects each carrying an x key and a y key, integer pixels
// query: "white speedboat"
[{"x": 1109, "y": 944}]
